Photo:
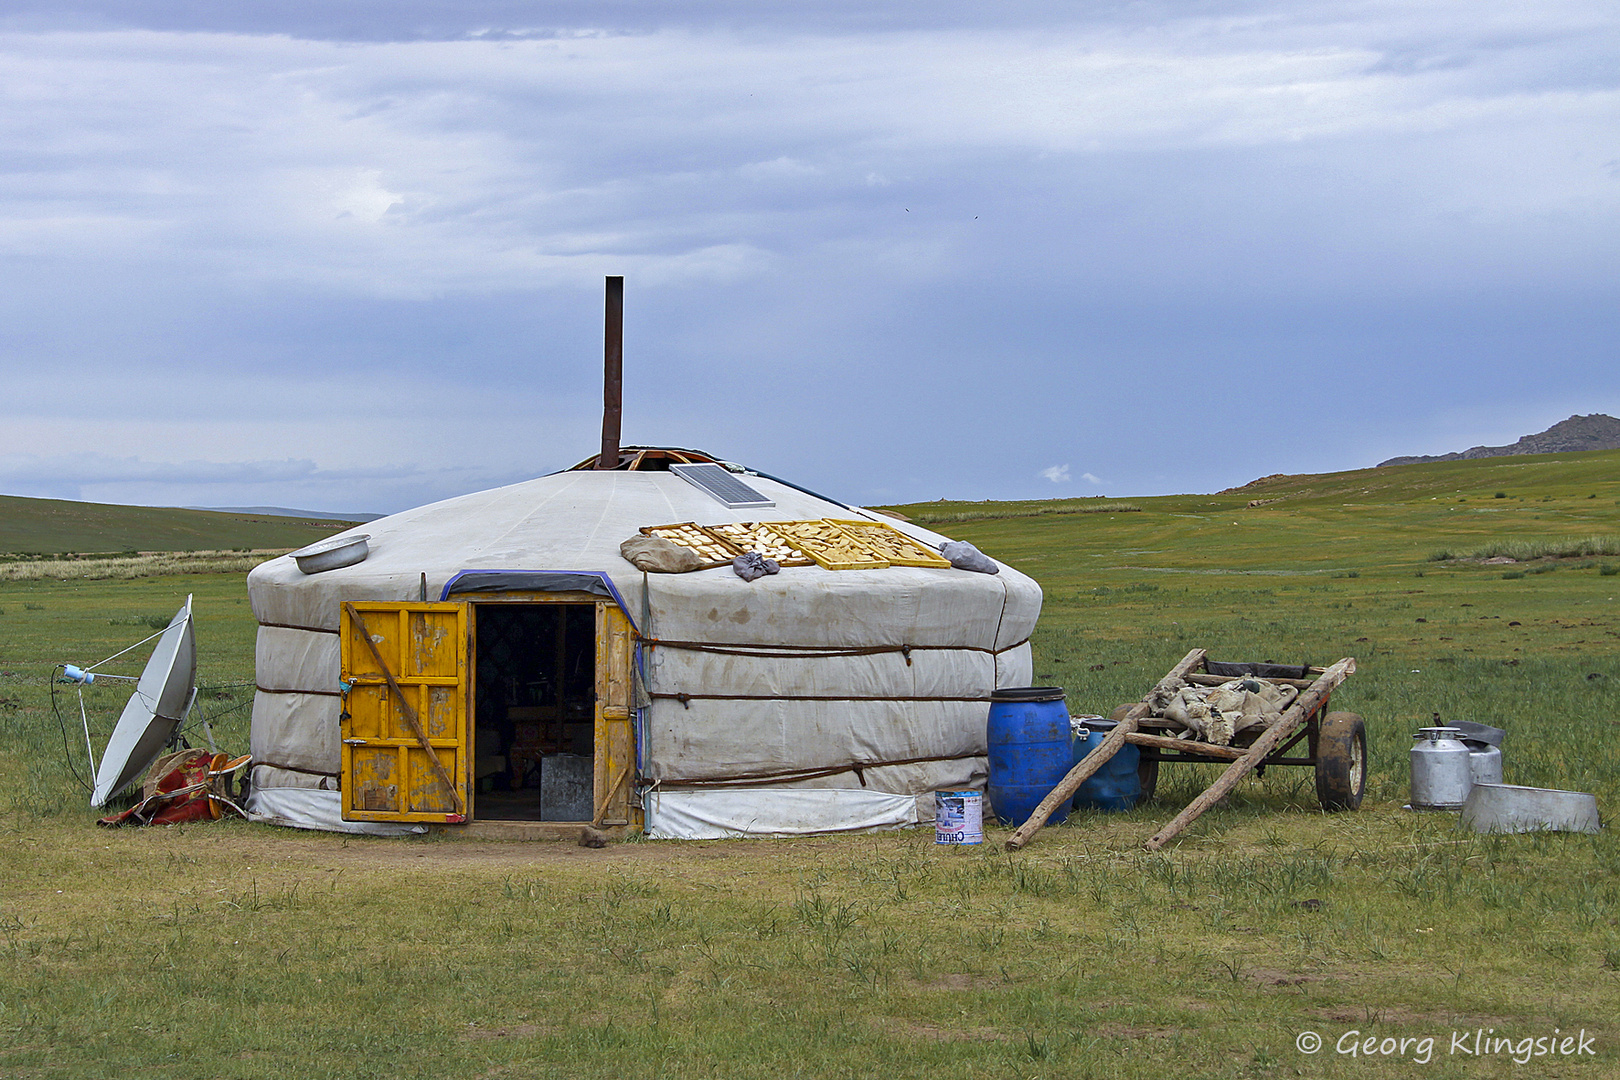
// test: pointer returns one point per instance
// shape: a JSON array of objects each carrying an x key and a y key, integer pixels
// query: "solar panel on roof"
[{"x": 722, "y": 486}]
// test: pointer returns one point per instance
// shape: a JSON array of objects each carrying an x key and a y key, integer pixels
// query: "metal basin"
[
  {"x": 1509, "y": 808},
  {"x": 333, "y": 552}
]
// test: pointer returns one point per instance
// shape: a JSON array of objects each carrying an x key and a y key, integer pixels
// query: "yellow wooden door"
[
  {"x": 615, "y": 729},
  {"x": 404, "y": 718}
]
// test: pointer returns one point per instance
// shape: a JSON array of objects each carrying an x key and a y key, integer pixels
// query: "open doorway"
[{"x": 534, "y": 715}]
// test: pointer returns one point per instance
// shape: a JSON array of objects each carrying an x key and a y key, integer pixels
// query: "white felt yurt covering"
[{"x": 851, "y": 695}]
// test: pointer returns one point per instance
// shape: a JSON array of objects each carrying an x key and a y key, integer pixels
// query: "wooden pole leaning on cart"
[
  {"x": 1295, "y": 715},
  {"x": 1098, "y": 757}
]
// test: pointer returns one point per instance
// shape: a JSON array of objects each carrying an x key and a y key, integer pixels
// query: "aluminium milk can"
[
  {"x": 1484, "y": 762},
  {"x": 1485, "y": 750},
  {"x": 1442, "y": 770}
]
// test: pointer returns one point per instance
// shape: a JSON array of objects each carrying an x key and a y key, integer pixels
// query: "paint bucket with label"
[{"x": 958, "y": 817}]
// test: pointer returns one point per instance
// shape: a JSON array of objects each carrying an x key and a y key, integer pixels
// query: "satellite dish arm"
[{"x": 88, "y": 749}]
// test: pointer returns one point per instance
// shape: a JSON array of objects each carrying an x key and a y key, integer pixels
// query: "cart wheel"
[
  {"x": 1341, "y": 761},
  {"x": 1147, "y": 768},
  {"x": 1147, "y": 772}
]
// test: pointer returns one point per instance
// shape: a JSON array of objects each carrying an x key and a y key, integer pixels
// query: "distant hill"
[
  {"x": 60, "y": 526},
  {"x": 1574, "y": 494},
  {"x": 282, "y": 511},
  {"x": 1578, "y": 433}
]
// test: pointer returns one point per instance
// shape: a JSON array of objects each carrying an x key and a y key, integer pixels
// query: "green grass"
[
  {"x": 233, "y": 950},
  {"x": 30, "y": 527},
  {"x": 929, "y": 515},
  {"x": 132, "y": 565},
  {"x": 1525, "y": 550}
]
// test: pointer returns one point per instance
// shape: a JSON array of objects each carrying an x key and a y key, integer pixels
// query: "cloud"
[
  {"x": 410, "y": 168},
  {"x": 91, "y": 468},
  {"x": 1058, "y": 474},
  {"x": 136, "y": 480},
  {"x": 362, "y": 239}
]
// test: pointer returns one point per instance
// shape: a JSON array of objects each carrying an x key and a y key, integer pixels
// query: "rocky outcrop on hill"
[{"x": 1595, "y": 432}]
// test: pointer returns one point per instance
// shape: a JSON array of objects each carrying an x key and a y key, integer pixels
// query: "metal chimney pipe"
[{"x": 612, "y": 374}]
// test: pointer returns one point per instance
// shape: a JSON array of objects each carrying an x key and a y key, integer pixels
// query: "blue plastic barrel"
[
  {"x": 1115, "y": 786},
  {"x": 1031, "y": 749}
]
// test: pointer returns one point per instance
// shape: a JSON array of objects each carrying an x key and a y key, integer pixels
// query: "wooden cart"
[{"x": 1333, "y": 743}]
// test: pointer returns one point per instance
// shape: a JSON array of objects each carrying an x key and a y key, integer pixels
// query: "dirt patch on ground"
[
  {"x": 1401, "y": 1016},
  {"x": 962, "y": 981},
  {"x": 926, "y": 1032},
  {"x": 509, "y": 1031},
  {"x": 1262, "y": 976},
  {"x": 265, "y": 845},
  {"x": 1109, "y": 1030}
]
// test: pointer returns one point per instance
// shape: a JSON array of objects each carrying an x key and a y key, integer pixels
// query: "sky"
[{"x": 349, "y": 256}]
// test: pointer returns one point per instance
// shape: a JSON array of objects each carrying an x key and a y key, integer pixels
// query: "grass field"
[
  {"x": 228, "y": 950},
  {"x": 33, "y": 527}
]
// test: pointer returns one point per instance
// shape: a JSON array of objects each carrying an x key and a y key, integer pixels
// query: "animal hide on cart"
[{"x": 1217, "y": 713}]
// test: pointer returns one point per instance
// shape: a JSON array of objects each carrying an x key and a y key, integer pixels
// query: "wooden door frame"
[{"x": 599, "y": 748}]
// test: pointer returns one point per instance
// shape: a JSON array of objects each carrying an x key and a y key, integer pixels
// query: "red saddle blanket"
[{"x": 187, "y": 785}]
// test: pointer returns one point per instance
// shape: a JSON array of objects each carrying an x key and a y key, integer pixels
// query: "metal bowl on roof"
[{"x": 333, "y": 552}]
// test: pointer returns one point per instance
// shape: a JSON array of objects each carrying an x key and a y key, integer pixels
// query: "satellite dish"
[{"x": 162, "y": 698}]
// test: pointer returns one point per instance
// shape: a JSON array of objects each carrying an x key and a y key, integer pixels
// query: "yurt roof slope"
[{"x": 811, "y": 700}]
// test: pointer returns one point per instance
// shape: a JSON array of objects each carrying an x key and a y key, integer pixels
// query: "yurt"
[{"x": 496, "y": 657}]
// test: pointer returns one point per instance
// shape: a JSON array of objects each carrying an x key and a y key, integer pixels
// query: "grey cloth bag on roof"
[
  {"x": 751, "y": 565},
  {"x": 659, "y": 556},
  {"x": 964, "y": 556}
]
